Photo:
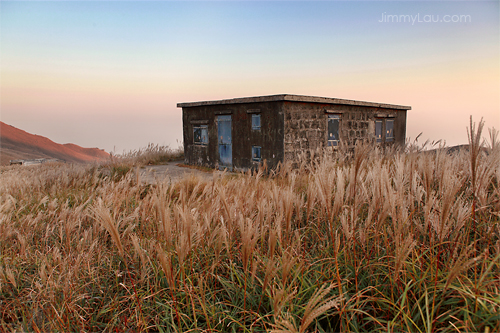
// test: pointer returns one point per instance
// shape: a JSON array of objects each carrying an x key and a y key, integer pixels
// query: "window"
[
  {"x": 255, "y": 122},
  {"x": 389, "y": 130},
  {"x": 333, "y": 129},
  {"x": 378, "y": 130},
  {"x": 200, "y": 134},
  {"x": 384, "y": 130},
  {"x": 256, "y": 153}
]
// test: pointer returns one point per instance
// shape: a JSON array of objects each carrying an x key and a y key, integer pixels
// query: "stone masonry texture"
[{"x": 290, "y": 125}]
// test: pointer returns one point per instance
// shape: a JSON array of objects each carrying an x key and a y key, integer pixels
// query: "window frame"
[
  {"x": 333, "y": 143},
  {"x": 256, "y": 116},
  {"x": 378, "y": 136},
  {"x": 202, "y": 128},
  {"x": 387, "y": 137},
  {"x": 254, "y": 150},
  {"x": 386, "y": 133}
]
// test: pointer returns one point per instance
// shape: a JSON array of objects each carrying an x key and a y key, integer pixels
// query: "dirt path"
[{"x": 157, "y": 173}]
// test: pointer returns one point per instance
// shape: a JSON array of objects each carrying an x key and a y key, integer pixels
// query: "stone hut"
[{"x": 240, "y": 133}]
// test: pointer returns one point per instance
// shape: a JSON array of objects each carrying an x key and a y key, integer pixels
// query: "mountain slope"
[{"x": 19, "y": 144}]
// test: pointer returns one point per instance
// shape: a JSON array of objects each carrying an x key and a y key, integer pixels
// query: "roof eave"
[{"x": 293, "y": 98}]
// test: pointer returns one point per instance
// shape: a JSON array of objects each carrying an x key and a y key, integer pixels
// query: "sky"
[{"x": 109, "y": 74}]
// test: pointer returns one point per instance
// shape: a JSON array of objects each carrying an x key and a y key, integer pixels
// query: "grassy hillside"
[{"x": 402, "y": 241}]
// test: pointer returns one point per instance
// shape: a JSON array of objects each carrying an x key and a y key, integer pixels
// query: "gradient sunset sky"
[{"x": 109, "y": 74}]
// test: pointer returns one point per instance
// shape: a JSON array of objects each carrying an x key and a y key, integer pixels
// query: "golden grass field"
[{"x": 401, "y": 241}]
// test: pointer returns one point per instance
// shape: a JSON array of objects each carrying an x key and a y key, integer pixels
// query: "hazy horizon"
[{"x": 109, "y": 74}]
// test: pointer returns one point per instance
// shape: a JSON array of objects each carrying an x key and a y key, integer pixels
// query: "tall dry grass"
[
  {"x": 395, "y": 241},
  {"x": 150, "y": 155},
  {"x": 120, "y": 165}
]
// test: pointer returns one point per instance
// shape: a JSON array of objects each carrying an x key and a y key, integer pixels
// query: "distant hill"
[{"x": 18, "y": 144}]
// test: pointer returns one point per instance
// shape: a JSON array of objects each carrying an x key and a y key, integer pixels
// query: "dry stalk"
[
  {"x": 103, "y": 215},
  {"x": 317, "y": 306}
]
